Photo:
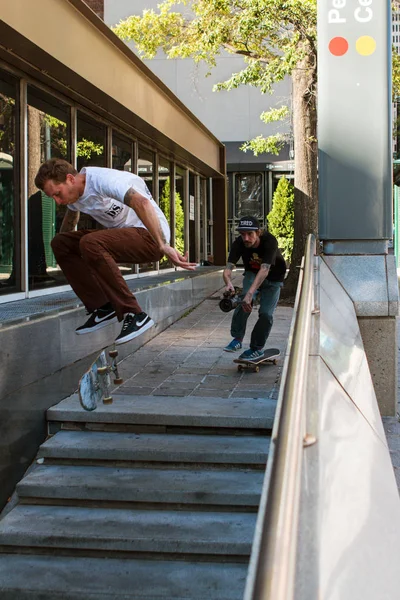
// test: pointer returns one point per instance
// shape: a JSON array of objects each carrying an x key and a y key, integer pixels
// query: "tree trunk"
[{"x": 305, "y": 157}]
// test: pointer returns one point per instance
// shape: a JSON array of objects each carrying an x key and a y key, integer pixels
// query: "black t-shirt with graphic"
[{"x": 266, "y": 253}]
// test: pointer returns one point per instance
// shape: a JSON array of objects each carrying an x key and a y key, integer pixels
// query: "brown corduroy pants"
[{"x": 88, "y": 259}]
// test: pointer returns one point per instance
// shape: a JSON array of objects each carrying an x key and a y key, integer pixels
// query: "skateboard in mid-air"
[
  {"x": 270, "y": 355},
  {"x": 94, "y": 385}
]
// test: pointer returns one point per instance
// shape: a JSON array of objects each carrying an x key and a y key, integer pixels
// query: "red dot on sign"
[{"x": 338, "y": 46}]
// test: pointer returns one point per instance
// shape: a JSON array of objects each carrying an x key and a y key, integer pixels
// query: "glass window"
[
  {"x": 145, "y": 167},
  {"x": 91, "y": 142},
  {"x": 9, "y": 213},
  {"x": 146, "y": 170},
  {"x": 122, "y": 161},
  {"x": 121, "y": 153},
  {"x": 179, "y": 212},
  {"x": 192, "y": 217},
  {"x": 48, "y": 134},
  {"x": 203, "y": 205},
  {"x": 91, "y": 151},
  {"x": 164, "y": 195},
  {"x": 249, "y": 195}
]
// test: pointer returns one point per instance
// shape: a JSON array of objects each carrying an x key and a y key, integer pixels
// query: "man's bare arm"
[
  {"x": 259, "y": 278},
  {"x": 227, "y": 276},
  {"x": 147, "y": 214},
  {"x": 70, "y": 221}
]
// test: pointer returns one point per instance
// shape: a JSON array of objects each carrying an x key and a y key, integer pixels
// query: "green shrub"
[{"x": 281, "y": 218}]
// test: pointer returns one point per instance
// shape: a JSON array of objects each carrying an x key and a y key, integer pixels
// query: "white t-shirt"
[{"x": 103, "y": 199}]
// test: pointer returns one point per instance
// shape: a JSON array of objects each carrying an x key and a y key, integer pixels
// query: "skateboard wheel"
[
  {"x": 240, "y": 368},
  {"x": 113, "y": 353},
  {"x": 102, "y": 370},
  {"x": 118, "y": 381},
  {"x": 275, "y": 362},
  {"x": 256, "y": 369},
  {"x": 107, "y": 400}
]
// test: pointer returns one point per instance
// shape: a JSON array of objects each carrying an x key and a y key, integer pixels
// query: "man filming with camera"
[{"x": 264, "y": 270}]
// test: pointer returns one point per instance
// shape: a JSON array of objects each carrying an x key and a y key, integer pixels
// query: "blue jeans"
[{"x": 269, "y": 296}]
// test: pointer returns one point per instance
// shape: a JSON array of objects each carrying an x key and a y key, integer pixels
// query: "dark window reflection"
[
  {"x": 121, "y": 153},
  {"x": 192, "y": 217},
  {"x": 249, "y": 195},
  {"x": 9, "y": 215},
  {"x": 48, "y": 134}
]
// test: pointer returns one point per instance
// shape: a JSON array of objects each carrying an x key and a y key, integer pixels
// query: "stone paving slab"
[{"x": 188, "y": 359}]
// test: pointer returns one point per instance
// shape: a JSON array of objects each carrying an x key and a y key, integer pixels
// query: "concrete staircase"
[{"x": 150, "y": 497}]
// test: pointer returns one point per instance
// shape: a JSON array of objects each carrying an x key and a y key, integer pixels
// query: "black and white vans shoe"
[
  {"x": 100, "y": 318},
  {"x": 133, "y": 326}
]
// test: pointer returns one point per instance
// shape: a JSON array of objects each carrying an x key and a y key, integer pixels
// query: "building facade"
[{"x": 75, "y": 97}]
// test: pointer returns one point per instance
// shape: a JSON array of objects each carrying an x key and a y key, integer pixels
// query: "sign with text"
[{"x": 354, "y": 119}]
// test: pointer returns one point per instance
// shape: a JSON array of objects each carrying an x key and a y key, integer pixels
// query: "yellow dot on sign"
[{"x": 365, "y": 45}]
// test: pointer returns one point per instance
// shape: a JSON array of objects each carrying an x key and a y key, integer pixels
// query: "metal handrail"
[{"x": 274, "y": 571}]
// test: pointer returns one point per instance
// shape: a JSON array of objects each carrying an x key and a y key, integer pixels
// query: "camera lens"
[{"x": 225, "y": 304}]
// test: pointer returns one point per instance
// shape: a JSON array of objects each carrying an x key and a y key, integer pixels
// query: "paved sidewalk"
[{"x": 187, "y": 359}]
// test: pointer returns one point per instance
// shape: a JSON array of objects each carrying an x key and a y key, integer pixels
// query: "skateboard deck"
[
  {"x": 270, "y": 355},
  {"x": 94, "y": 385}
]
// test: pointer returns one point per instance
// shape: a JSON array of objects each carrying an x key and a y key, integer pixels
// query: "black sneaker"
[
  {"x": 133, "y": 326},
  {"x": 98, "y": 319}
]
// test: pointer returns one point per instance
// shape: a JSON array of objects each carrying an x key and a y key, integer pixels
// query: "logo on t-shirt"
[
  {"x": 255, "y": 261},
  {"x": 114, "y": 210}
]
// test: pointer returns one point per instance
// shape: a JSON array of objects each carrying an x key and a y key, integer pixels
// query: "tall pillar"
[{"x": 355, "y": 172}]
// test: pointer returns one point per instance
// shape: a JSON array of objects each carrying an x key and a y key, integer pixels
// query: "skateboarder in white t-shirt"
[{"x": 136, "y": 231}]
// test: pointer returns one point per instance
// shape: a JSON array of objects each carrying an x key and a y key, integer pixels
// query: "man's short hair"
[
  {"x": 54, "y": 169},
  {"x": 248, "y": 224}
]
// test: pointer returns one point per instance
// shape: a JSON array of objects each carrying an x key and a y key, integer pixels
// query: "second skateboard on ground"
[{"x": 269, "y": 356}]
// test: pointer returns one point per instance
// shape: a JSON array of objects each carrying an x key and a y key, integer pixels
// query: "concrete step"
[
  {"x": 189, "y": 411},
  {"x": 66, "y": 578},
  {"x": 73, "y": 484},
  {"x": 134, "y": 448},
  {"x": 107, "y": 530}
]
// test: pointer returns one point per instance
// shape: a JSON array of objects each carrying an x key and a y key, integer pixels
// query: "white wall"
[{"x": 231, "y": 116}]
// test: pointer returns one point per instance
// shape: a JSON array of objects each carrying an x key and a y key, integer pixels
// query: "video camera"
[{"x": 230, "y": 300}]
